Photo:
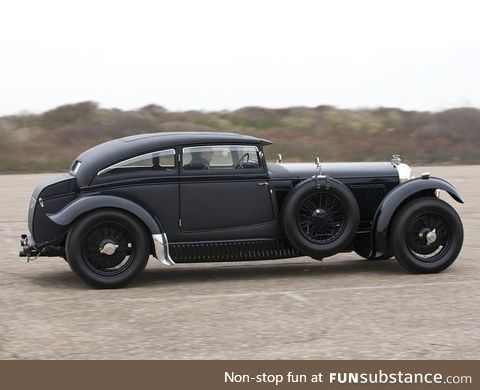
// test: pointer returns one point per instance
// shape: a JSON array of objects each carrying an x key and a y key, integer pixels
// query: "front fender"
[
  {"x": 82, "y": 205},
  {"x": 394, "y": 199}
]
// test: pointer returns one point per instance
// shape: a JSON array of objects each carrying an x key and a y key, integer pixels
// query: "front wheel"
[
  {"x": 426, "y": 235},
  {"x": 107, "y": 248}
]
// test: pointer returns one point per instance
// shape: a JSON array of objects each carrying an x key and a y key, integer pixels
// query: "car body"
[{"x": 208, "y": 197}]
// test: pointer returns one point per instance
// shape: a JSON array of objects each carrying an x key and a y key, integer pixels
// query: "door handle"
[{"x": 263, "y": 183}]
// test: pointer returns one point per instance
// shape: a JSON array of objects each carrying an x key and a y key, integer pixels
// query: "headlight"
[{"x": 404, "y": 172}]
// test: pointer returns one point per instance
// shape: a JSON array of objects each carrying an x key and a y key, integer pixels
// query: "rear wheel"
[
  {"x": 107, "y": 248},
  {"x": 426, "y": 235}
]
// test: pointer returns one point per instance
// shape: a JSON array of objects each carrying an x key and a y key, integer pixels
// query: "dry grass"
[{"x": 50, "y": 141}]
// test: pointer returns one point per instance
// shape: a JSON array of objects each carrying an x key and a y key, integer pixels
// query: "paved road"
[{"x": 342, "y": 307}]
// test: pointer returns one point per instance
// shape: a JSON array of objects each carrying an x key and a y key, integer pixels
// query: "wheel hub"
[
  {"x": 108, "y": 248},
  {"x": 320, "y": 213},
  {"x": 429, "y": 235}
]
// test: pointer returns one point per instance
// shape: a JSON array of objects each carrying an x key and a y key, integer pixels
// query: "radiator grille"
[{"x": 368, "y": 197}]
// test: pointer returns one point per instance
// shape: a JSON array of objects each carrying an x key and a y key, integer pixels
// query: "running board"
[{"x": 224, "y": 251}]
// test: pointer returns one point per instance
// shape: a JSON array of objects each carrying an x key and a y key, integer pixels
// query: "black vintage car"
[{"x": 211, "y": 197}]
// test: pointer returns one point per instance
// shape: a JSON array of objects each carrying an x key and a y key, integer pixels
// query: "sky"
[{"x": 216, "y": 55}]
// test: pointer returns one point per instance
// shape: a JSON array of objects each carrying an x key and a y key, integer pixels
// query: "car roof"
[
  {"x": 111, "y": 152},
  {"x": 178, "y": 138}
]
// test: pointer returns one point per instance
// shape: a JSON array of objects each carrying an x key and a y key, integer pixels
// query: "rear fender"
[
  {"x": 80, "y": 206},
  {"x": 85, "y": 204},
  {"x": 398, "y": 196}
]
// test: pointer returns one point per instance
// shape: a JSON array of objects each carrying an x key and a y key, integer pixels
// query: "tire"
[
  {"x": 99, "y": 230},
  {"x": 410, "y": 231},
  {"x": 320, "y": 222},
  {"x": 364, "y": 251}
]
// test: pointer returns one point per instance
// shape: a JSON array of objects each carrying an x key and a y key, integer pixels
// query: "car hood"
[{"x": 334, "y": 170}]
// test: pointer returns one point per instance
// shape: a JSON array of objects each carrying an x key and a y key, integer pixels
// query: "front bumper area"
[{"x": 25, "y": 249}]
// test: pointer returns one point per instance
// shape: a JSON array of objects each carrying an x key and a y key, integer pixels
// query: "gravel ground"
[{"x": 343, "y": 307}]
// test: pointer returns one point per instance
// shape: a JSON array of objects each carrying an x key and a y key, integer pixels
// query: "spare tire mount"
[{"x": 320, "y": 216}]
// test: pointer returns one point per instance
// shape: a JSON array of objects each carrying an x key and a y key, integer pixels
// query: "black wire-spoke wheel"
[
  {"x": 108, "y": 248},
  {"x": 426, "y": 235},
  {"x": 321, "y": 217}
]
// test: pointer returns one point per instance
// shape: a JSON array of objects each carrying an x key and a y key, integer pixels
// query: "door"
[{"x": 224, "y": 187}]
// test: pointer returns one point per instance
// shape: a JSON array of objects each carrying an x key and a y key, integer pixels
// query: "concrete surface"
[{"x": 342, "y": 307}]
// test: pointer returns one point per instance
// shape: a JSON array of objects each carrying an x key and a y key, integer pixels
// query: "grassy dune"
[{"x": 50, "y": 141}]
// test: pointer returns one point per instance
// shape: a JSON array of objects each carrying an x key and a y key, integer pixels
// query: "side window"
[
  {"x": 221, "y": 157},
  {"x": 163, "y": 160},
  {"x": 166, "y": 160},
  {"x": 145, "y": 161}
]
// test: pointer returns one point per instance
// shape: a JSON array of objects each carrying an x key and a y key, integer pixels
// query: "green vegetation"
[{"x": 50, "y": 141}]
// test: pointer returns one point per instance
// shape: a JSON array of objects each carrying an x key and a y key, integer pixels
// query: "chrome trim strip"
[
  {"x": 75, "y": 167},
  {"x": 162, "y": 253},
  {"x": 159, "y": 153}
]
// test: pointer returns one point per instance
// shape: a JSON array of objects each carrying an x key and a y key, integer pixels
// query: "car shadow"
[
  {"x": 208, "y": 272},
  {"x": 63, "y": 279},
  {"x": 198, "y": 273}
]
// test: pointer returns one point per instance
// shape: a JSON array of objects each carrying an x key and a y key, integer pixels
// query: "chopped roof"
[
  {"x": 111, "y": 152},
  {"x": 193, "y": 136}
]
